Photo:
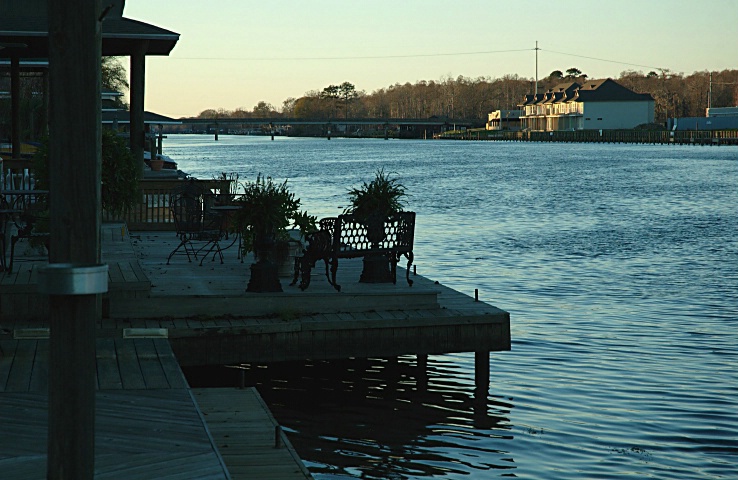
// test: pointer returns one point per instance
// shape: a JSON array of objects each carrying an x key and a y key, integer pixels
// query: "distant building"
[
  {"x": 722, "y": 118},
  {"x": 504, "y": 120},
  {"x": 594, "y": 105}
]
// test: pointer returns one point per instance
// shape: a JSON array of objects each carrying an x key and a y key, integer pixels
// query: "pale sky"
[{"x": 234, "y": 53}]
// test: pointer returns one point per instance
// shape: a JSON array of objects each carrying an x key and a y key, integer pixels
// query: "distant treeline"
[{"x": 675, "y": 95}]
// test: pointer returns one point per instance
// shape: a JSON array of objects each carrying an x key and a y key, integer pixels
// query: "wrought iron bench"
[{"x": 346, "y": 236}]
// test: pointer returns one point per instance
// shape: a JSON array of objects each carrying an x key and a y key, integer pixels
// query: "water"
[{"x": 619, "y": 266}]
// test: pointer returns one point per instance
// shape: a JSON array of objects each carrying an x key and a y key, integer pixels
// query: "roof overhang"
[
  {"x": 123, "y": 117},
  {"x": 27, "y": 37}
]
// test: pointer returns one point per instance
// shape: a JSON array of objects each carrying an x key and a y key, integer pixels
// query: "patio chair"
[
  {"x": 26, "y": 227},
  {"x": 195, "y": 223},
  {"x": 32, "y": 212}
]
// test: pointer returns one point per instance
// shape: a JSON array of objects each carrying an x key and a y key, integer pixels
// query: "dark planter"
[
  {"x": 376, "y": 266},
  {"x": 264, "y": 278},
  {"x": 376, "y": 269},
  {"x": 265, "y": 272}
]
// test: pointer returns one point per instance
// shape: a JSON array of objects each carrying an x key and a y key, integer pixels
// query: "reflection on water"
[{"x": 380, "y": 418}]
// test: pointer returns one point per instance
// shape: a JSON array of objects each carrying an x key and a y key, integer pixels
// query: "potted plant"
[
  {"x": 120, "y": 174},
  {"x": 267, "y": 210},
  {"x": 371, "y": 204}
]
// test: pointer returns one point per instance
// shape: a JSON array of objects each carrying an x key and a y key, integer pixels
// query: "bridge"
[
  {"x": 432, "y": 121},
  {"x": 406, "y": 127}
]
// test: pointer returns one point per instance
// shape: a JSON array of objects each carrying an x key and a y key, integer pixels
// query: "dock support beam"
[
  {"x": 421, "y": 361},
  {"x": 481, "y": 372}
]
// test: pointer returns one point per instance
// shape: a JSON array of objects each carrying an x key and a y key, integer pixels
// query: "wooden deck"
[
  {"x": 149, "y": 424},
  {"x": 211, "y": 320}
]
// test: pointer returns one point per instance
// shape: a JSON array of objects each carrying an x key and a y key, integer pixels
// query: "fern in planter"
[
  {"x": 267, "y": 210},
  {"x": 381, "y": 197},
  {"x": 372, "y": 204}
]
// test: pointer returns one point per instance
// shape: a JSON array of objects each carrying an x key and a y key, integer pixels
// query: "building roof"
[
  {"x": 24, "y": 31},
  {"x": 123, "y": 117},
  {"x": 608, "y": 90}
]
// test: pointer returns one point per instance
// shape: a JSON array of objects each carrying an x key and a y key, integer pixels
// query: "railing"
[
  {"x": 152, "y": 212},
  {"x": 16, "y": 174}
]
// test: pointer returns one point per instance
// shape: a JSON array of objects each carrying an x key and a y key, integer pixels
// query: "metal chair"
[
  {"x": 195, "y": 223},
  {"x": 31, "y": 211}
]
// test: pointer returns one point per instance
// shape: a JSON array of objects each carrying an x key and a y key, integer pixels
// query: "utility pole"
[
  {"x": 536, "y": 49},
  {"x": 709, "y": 94}
]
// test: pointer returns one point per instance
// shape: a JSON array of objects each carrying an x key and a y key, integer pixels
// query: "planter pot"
[
  {"x": 156, "y": 164},
  {"x": 376, "y": 270},
  {"x": 264, "y": 278},
  {"x": 265, "y": 272}
]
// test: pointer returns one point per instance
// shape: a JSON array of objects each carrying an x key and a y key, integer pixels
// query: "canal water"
[{"x": 618, "y": 265}]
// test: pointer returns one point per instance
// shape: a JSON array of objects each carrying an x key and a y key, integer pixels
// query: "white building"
[
  {"x": 594, "y": 105},
  {"x": 504, "y": 120}
]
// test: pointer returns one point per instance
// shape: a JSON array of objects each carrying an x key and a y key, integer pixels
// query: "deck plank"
[
  {"x": 19, "y": 379},
  {"x": 130, "y": 369},
  {"x": 151, "y": 367},
  {"x": 108, "y": 374}
]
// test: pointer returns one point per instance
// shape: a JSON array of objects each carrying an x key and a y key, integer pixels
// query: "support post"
[
  {"x": 421, "y": 360},
  {"x": 137, "y": 81},
  {"x": 481, "y": 372},
  {"x": 160, "y": 139},
  {"x": 15, "y": 136},
  {"x": 75, "y": 217}
]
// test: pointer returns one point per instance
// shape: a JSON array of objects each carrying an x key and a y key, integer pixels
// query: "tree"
[
  {"x": 209, "y": 113},
  {"x": 573, "y": 72},
  {"x": 347, "y": 93},
  {"x": 331, "y": 93},
  {"x": 263, "y": 109},
  {"x": 113, "y": 75},
  {"x": 288, "y": 107},
  {"x": 556, "y": 74},
  {"x": 309, "y": 107}
]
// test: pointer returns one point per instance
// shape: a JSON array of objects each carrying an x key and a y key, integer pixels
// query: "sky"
[{"x": 234, "y": 53}]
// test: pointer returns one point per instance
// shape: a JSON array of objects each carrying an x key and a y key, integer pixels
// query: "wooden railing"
[{"x": 152, "y": 212}]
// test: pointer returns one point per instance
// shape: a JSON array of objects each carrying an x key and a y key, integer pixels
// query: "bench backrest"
[{"x": 350, "y": 236}]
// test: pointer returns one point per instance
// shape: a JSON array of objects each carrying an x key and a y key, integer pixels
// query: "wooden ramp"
[
  {"x": 147, "y": 424},
  {"x": 247, "y": 435}
]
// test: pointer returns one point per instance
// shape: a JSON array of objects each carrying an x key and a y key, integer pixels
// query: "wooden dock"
[
  {"x": 149, "y": 423},
  {"x": 250, "y": 446},
  {"x": 211, "y": 320}
]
